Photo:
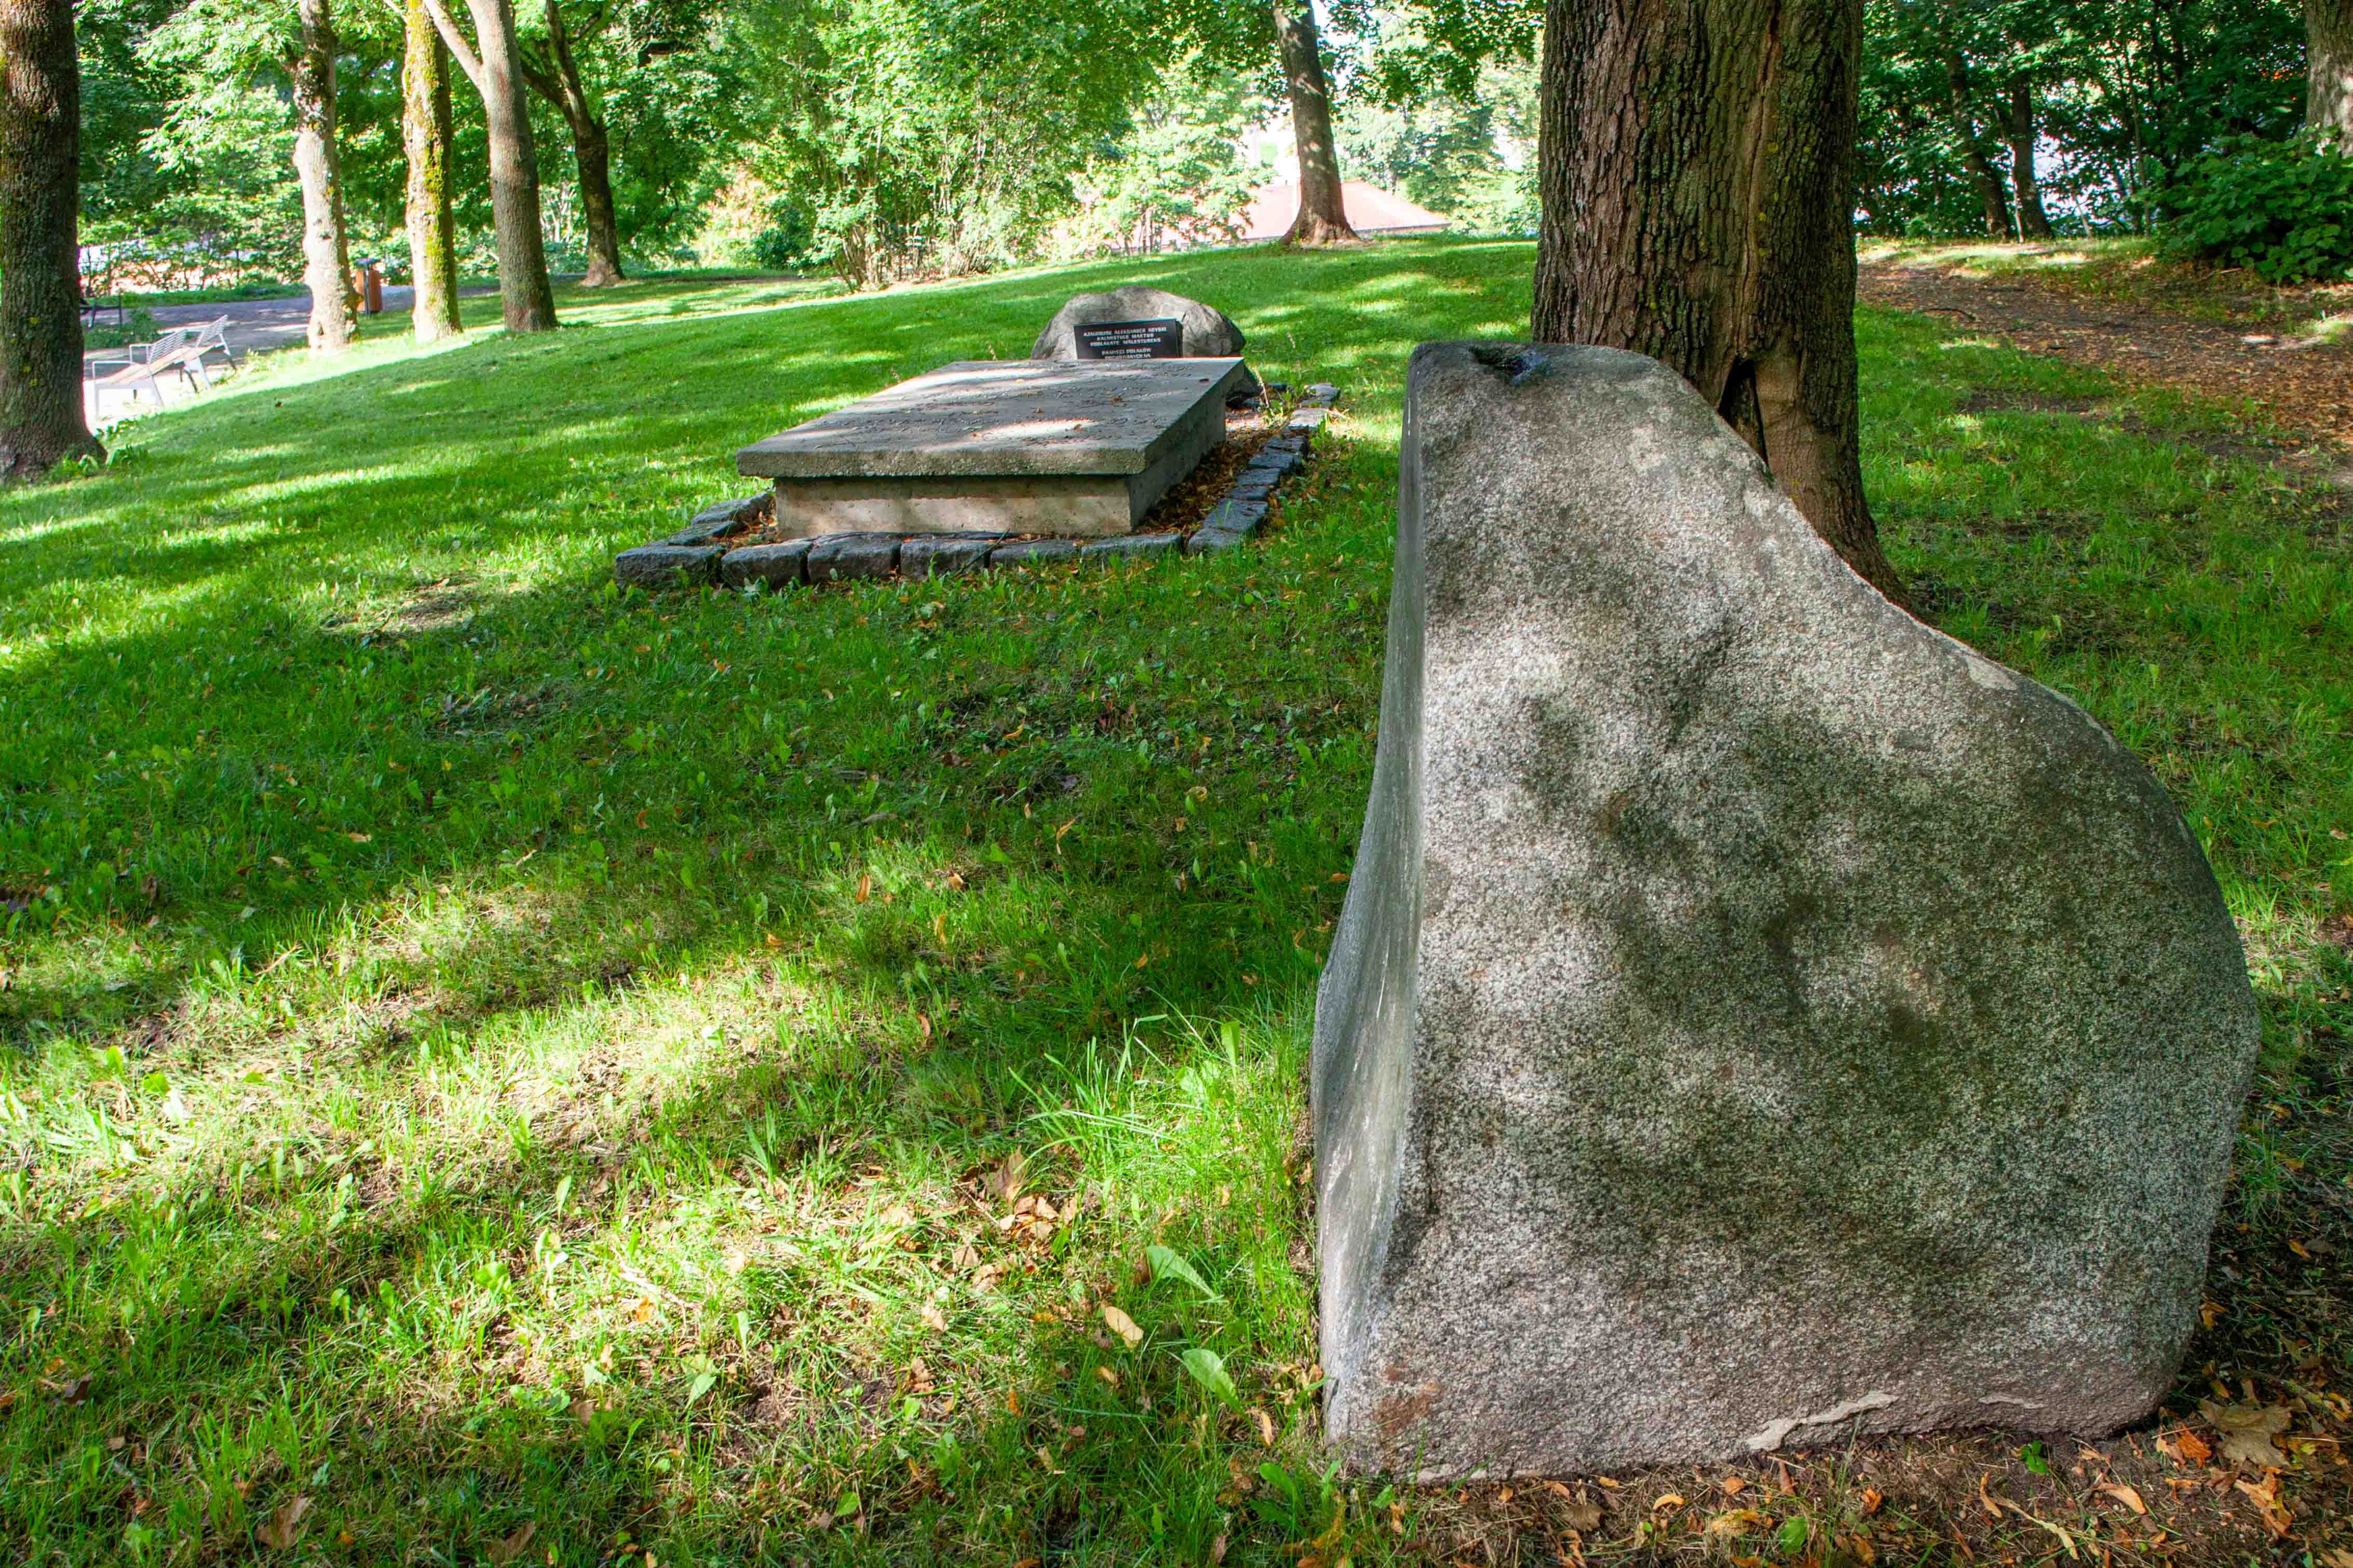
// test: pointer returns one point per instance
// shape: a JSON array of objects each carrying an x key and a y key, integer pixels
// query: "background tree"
[
  {"x": 1177, "y": 177},
  {"x": 526, "y": 296},
  {"x": 326, "y": 261},
  {"x": 426, "y": 135},
  {"x": 1322, "y": 214},
  {"x": 556, "y": 76},
  {"x": 41, "y": 418},
  {"x": 2328, "y": 70},
  {"x": 1961, "y": 116},
  {"x": 241, "y": 108},
  {"x": 1697, "y": 175},
  {"x": 930, "y": 137},
  {"x": 2026, "y": 190},
  {"x": 1974, "y": 112},
  {"x": 1442, "y": 106}
]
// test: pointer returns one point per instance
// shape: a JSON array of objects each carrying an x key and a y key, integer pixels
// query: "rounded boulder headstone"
[
  {"x": 1209, "y": 333},
  {"x": 1757, "y": 1019}
]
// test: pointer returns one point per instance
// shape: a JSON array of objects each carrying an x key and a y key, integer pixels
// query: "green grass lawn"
[{"x": 497, "y": 1070}]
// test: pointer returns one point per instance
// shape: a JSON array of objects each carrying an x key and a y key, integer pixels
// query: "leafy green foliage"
[
  {"x": 1177, "y": 174},
  {"x": 1446, "y": 152},
  {"x": 785, "y": 243},
  {"x": 2282, "y": 208},
  {"x": 2122, "y": 96},
  {"x": 934, "y": 136}
]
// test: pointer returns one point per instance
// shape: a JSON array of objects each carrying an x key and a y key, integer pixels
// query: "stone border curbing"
[{"x": 695, "y": 554}]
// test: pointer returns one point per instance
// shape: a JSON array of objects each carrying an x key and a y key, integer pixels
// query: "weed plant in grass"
[{"x": 495, "y": 1068}]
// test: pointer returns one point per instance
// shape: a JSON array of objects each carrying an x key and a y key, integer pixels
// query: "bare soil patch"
[{"x": 2302, "y": 385}]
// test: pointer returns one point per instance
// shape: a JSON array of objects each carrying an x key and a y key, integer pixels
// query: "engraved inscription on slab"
[{"x": 1162, "y": 339}]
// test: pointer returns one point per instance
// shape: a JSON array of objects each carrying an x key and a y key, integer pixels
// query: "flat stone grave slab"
[{"x": 1072, "y": 447}]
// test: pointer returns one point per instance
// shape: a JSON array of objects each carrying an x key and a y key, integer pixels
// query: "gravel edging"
[{"x": 697, "y": 552}]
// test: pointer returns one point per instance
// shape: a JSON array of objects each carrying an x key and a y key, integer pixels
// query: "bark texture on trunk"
[
  {"x": 41, "y": 417},
  {"x": 2033, "y": 222},
  {"x": 1964, "y": 127},
  {"x": 425, "y": 131},
  {"x": 1696, "y": 163},
  {"x": 2328, "y": 70},
  {"x": 527, "y": 298},
  {"x": 319, "y": 165},
  {"x": 591, "y": 150},
  {"x": 1322, "y": 214}
]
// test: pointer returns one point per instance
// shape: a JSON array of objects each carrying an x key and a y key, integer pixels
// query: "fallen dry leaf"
[
  {"x": 934, "y": 1319},
  {"x": 1736, "y": 1521},
  {"x": 1266, "y": 1431},
  {"x": 1218, "y": 1550},
  {"x": 506, "y": 1548},
  {"x": 2247, "y": 1430},
  {"x": 1122, "y": 1325},
  {"x": 1667, "y": 1502},
  {"x": 2191, "y": 1447},
  {"x": 1583, "y": 1515},
  {"x": 1004, "y": 1182},
  {"x": 2125, "y": 1495},
  {"x": 2267, "y": 1502},
  {"x": 284, "y": 1525},
  {"x": 1872, "y": 1498},
  {"x": 1734, "y": 1486}
]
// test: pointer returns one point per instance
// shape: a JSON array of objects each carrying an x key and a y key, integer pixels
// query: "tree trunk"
[
  {"x": 1982, "y": 174},
  {"x": 1323, "y": 215},
  {"x": 2033, "y": 222},
  {"x": 527, "y": 298},
  {"x": 41, "y": 418},
  {"x": 1697, "y": 161},
  {"x": 591, "y": 150},
  {"x": 326, "y": 259},
  {"x": 2328, "y": 70},
  {"x": 425, "y": 131}
]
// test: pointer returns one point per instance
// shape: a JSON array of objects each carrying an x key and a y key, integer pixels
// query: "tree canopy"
[{"x": 889, "y": 139}]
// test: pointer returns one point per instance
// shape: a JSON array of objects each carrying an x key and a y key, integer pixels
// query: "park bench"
[{"x": 181, "y": 351}]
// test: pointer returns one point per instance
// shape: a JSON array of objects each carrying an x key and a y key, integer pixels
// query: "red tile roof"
[{"x": 1369, "y": 209}]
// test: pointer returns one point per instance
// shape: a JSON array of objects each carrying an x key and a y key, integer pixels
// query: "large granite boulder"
[
  {"x": 1209, "y": 333},
  {"x": 1756, "y": 1018}
]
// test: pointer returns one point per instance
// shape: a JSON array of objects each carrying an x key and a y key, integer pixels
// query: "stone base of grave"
[
  {"x": 1076, "y": 506},
  {"x": 1757, "y": 1020},
  {"x": 734, "y": 542},
  {"x": 1072, "y": 450}
]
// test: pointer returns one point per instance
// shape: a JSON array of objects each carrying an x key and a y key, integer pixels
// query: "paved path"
[{"x": 255, "y": 326}]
